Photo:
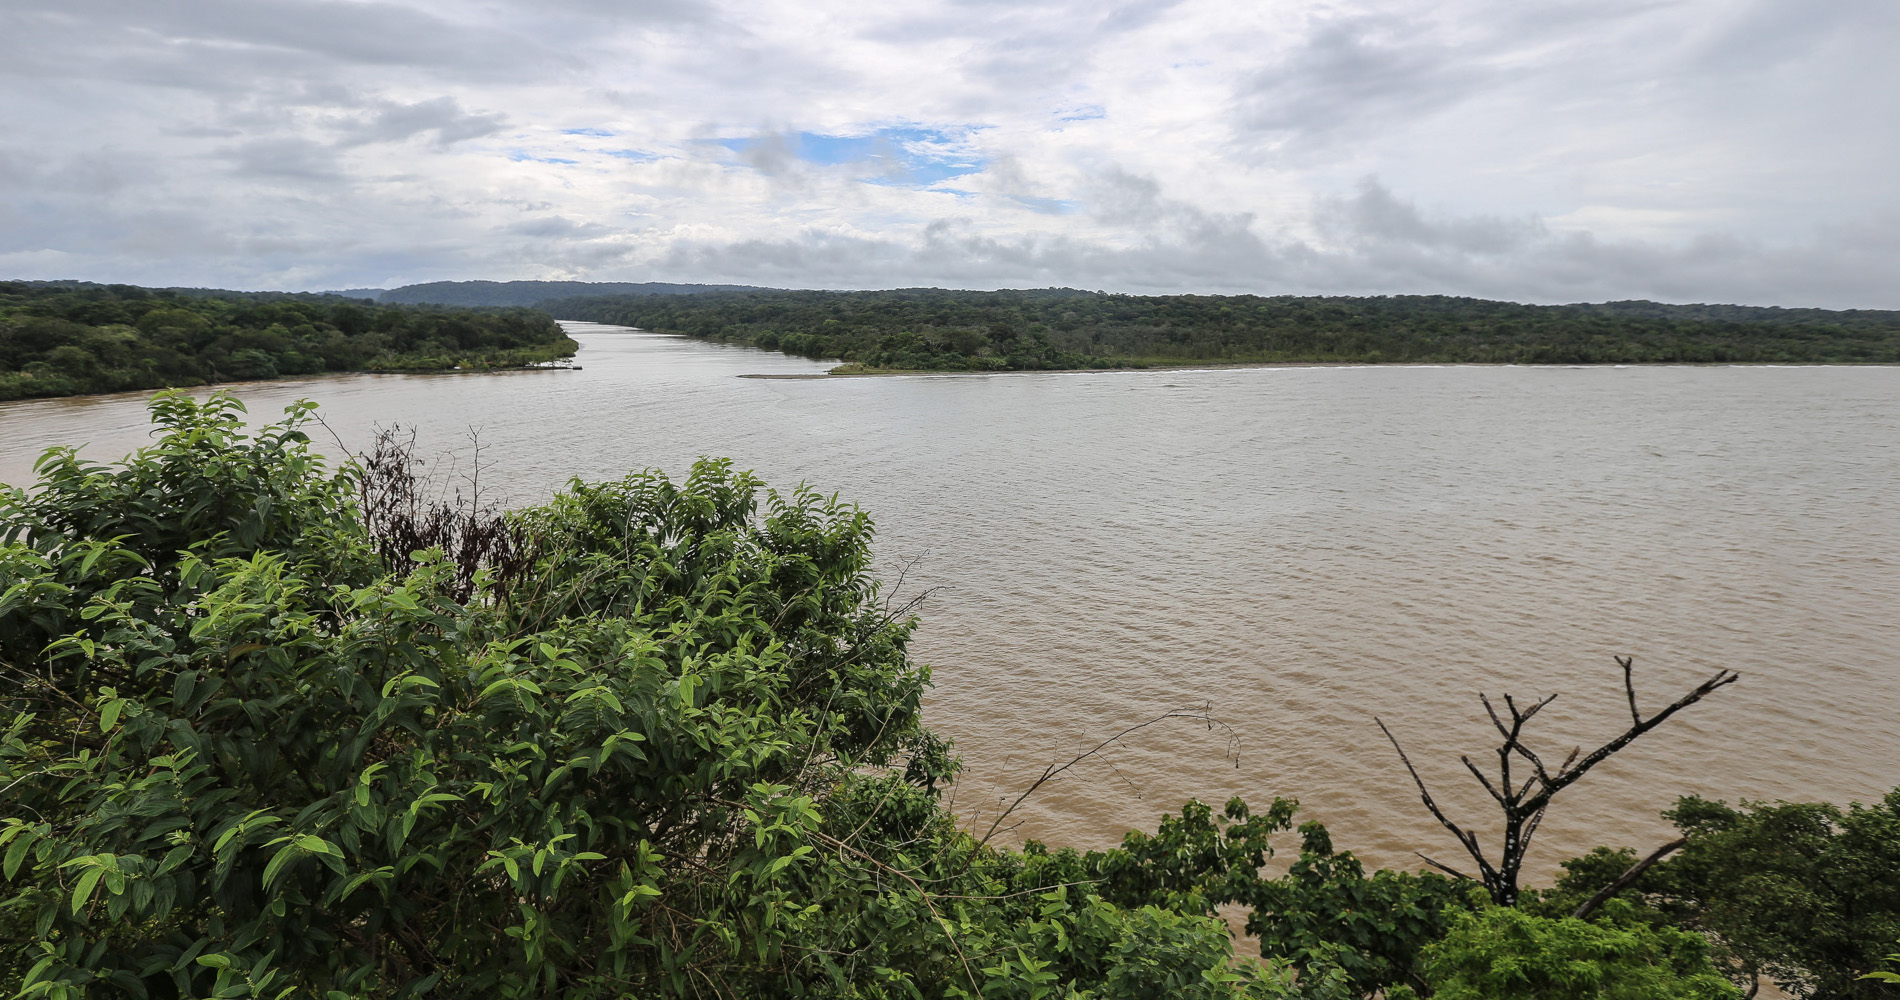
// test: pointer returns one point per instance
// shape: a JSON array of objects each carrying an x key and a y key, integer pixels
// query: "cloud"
[
  {"x": 1357, "y": 73},
  {"x": 1575, "y": 149},
  {"x": 394, "y": 122},
  {"x": 1374, "y": 217},
  {"x": 286, "y": 158}
]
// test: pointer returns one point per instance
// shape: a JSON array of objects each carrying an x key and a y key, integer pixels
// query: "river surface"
[{"x": 1292, "y": 551}]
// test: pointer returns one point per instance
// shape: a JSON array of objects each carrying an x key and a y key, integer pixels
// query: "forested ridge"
[
  {"x": 532, "y": 293},
  {"x": 275, "y": 729},
  {"x": 68, "y": 338},
  {"x": 938, "y": 329}
]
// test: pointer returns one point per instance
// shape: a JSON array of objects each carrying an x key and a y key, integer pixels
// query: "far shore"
[{"x": 1225, "y": 366}]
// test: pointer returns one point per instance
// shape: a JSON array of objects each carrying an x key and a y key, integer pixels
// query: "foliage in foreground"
[
  {"x": 1037, "y": 329},
  {"x": 679, "y": 755},
  {"x": 1805, "y": 894},
  {"x": 63, "y": 339},
  {"x": 1502, "y": 953}
]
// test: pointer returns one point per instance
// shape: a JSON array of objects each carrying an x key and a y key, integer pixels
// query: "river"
[{"x": 1291, "y": 550}]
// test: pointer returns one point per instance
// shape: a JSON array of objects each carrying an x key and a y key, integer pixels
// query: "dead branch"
[
  {"x": 402, "y": 520},
  {"x": 1053, "y": 771},
  {"x": 1635, "y": 872},
  {"x": 1524, "y": 804}
]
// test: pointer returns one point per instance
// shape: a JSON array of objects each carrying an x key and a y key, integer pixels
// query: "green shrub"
[
  {"x": 678, "y": 754},
  {"x": 1502, "y": 953}
]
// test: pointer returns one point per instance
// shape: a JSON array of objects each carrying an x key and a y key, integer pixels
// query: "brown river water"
[{"x": 1290, "y": 550}]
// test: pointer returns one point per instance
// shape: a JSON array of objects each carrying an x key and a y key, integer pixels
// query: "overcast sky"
[{"x": 1537, "y": 150}]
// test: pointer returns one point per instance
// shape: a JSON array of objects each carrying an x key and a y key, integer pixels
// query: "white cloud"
[{"x": 1685, "y": 150}]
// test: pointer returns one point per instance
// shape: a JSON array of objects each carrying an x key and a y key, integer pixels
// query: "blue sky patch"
[
  {"x": 1082, "y": 113},
  {"x": 902, "y": 155},
  {"x": 1046, "y": 206},
  {"x": 636, "y": 155},
  {"x": 523, "y": 156},
  {"x": 600, "y": 132}
]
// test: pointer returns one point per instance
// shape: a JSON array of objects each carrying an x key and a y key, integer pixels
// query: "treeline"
[
  {"x": 68, "y": 338},
  {"x": 942, "y": 330},
  {"x": 269, "y": 730}
]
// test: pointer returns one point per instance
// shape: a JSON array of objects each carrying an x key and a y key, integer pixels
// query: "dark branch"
[
  {"x": 1525, "y": 804},
  {"x": 1447, "y": 869},
  {"x": 1470, "y": 841},
  {"x": 1628, "y": 663},
  {"x": 1636, "y": 871},
  {"x": 1602, "y": 753}
]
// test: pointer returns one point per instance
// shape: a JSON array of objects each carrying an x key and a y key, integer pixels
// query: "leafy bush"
[
  {"x": 1805, "y": 894},
  {"x": 246, "y": 756},
  {"x": 1503, "y": 953}
]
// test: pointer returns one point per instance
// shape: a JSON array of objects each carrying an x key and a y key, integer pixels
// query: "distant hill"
[
  {"x": 97, "y": 288},
  {"x": 528, "y": 293}
]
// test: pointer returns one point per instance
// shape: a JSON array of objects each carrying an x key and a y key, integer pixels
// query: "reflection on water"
[{"x": 1299, "y": 549}]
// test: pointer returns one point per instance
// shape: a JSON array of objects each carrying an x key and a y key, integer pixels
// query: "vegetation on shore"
[
  {"x": 70, "y": 338},
  {"x": 933, "y": 329},
  {"x": 272, "y": 729}
]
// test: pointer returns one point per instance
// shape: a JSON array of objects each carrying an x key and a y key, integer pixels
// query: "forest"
[
  {"x": 272, "y": 727},
  {"x": 69, "y": 338},
  {"x": 934, "y": 329}
]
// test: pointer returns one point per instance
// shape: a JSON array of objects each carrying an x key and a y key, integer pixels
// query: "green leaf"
[
  {"x": 16, "y": 852},
  {"x": 109, "y": 714},
  {"x": 317, "y": 845},
  {"x": 285, "y": 855},
  {"x": 82, "y": 892}
]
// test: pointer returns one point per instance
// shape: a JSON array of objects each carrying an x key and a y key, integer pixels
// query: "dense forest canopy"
[
  {"x": 937, "y": 329},
  {"x": 67, "y": 338},
  {"x": 270, "y": 728}
]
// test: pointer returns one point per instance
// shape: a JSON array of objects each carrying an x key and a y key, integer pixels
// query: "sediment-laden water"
[{"x": 1292, "y": 551}]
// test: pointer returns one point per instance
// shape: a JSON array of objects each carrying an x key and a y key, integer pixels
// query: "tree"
[
  {"x": 1804, "y": 894},
  {"x": 1523, "y": 804}
]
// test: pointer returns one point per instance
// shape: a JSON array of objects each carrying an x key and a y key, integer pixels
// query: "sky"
[{"x": 1534, "y": 150}]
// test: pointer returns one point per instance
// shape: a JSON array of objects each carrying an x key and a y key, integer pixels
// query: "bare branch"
[
  {"x": 1447, "y": 869},
  {"x": 1602, "y": 753},
  {"x": 1636, "y": 871},
  {"x": 1053, "y": 771},
  {"x": 1525, "y": 805},
  {"x": 1492, "y": 712},
  {"x": 1628, "y": 663},
  {"x": 1470, "y": 841},
  {"x": 1482, "y": 780}
]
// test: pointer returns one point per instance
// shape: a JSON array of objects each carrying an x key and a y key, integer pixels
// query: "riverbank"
[
  {"x": 858, "y": 371},
  {"x": 1052, "y": 329},
  {"x": 855, "y": 371}
]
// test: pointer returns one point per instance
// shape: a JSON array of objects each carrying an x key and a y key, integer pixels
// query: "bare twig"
[{"x": 1053, "y": 771}]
